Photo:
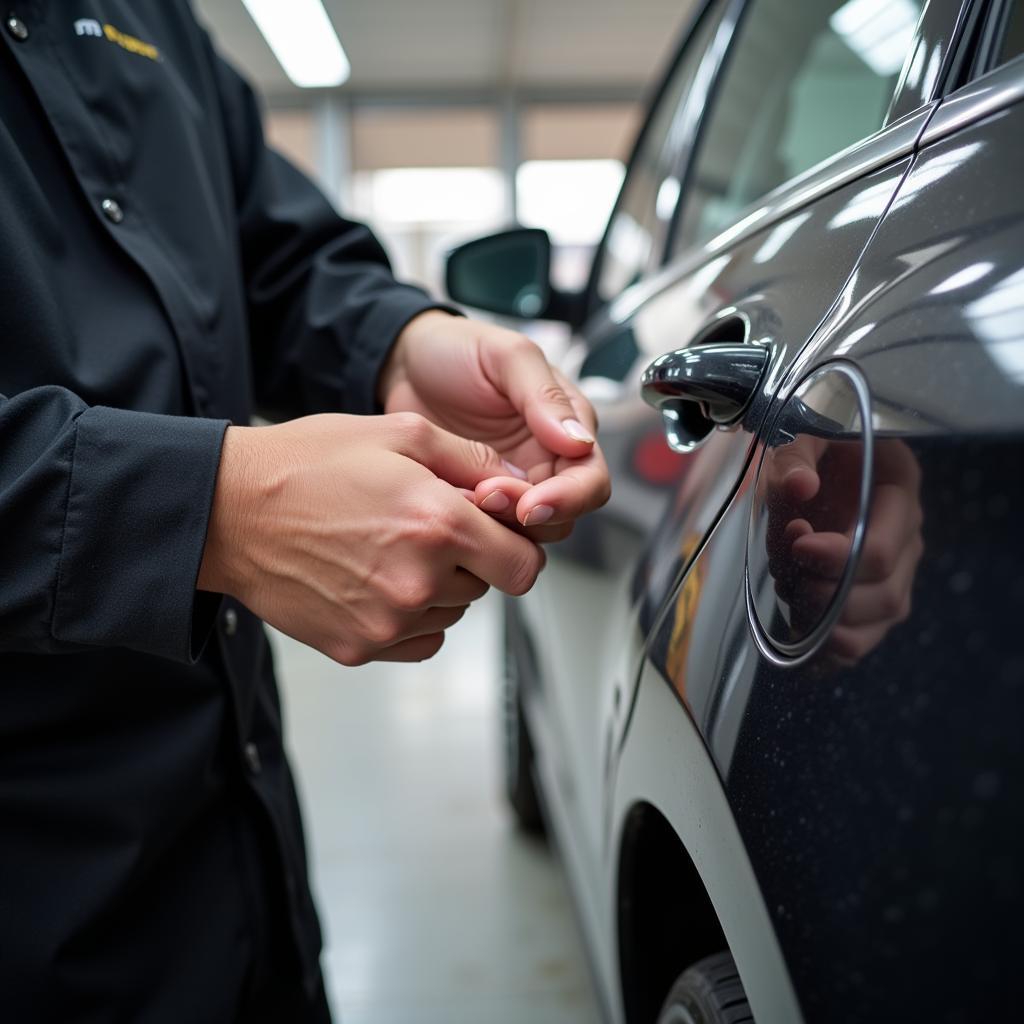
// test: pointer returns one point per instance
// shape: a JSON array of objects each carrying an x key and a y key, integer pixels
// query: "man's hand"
[
  {"x": 483, "y": 382},
  {"x": 352, "y": 535}
]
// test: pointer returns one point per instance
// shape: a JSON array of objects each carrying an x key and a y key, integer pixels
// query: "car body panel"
[{"x": 879, "y": 801}]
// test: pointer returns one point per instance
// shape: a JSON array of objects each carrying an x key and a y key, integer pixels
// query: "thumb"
[
  {"x": 457, "y": 460},
  {"x": 528, "y": 380}
]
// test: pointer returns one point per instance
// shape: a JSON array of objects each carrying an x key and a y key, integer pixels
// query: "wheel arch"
[
  {"x": 673, "y": 840},
  {"x": 665, "y": 918}
]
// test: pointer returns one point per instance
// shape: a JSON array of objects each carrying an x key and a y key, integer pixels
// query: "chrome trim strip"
[{"x": 986, "y": 95}]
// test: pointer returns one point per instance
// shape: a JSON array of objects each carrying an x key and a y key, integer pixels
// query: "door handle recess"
[{"x": 696, "y": 389}]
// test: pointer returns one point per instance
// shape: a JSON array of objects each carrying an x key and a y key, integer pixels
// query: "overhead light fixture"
[
  {"x": 878, "y": 31},
  {"x": 303, "y": 40}
]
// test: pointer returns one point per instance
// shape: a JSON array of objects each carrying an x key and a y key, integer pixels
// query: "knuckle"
[
  {"x": 523, "y": 573},
  {"x": 433, "y": 527},
  {"x": 383, "y": 631},
  {"x": 440, "y": 528},
  {"x": 551, "y": 391},
  {"x": 480, "y": 455},
  {"x": 523, "y": 346},
  {"x": 411, "y": 426},
  {"x": 348, "y": 654},
  {"x": 411, "y": 594}
]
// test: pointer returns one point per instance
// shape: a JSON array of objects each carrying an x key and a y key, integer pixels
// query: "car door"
[
  {"x": 764, "y": 167},
  {"x": 865, "y": 721}
]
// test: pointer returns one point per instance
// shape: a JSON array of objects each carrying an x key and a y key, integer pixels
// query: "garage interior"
[{"x": 475, "y": 114}]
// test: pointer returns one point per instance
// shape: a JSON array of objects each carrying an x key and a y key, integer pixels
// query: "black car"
[{"x": 770, "y": 700}]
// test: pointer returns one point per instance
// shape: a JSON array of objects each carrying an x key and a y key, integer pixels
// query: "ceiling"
[{"x": 461, "y": 46}]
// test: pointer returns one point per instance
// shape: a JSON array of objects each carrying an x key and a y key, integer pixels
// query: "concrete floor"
[{"x": 435, "y": 909}]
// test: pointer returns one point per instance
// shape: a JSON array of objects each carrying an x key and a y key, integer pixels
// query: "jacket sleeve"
[
  {"x": 324, "y": 307},
  {"x": 103, "y": 517}
]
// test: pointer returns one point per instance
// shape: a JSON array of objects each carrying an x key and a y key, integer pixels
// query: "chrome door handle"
[{"x": 696, "y": 389}]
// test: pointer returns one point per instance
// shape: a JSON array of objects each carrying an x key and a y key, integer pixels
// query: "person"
[{"x": 163, "y": 275}]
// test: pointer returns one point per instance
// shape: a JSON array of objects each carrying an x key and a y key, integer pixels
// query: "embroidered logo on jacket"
[
  {"x": 91, "y": 27},
  {"x": 88, "y": 27}
]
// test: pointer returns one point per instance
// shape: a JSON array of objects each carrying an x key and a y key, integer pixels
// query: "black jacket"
[{"x": 160, "y": 272}]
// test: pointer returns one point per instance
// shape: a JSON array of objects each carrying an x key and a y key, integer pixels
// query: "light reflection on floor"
[{"x": 434, "y": 908}]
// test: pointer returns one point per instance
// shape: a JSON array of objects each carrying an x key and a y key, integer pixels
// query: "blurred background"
[{"x": 436, "y": 121}]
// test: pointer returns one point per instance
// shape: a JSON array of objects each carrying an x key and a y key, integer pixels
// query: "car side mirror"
[{"x": 509, "y": 273}]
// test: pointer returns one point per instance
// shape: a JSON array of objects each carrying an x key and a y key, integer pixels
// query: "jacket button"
[
  {"x": 230, "y": 622},
  {"x": 17, "y": 28},
  {"x": 112, "y": 211},
  {"x": 252, "y": 758}
]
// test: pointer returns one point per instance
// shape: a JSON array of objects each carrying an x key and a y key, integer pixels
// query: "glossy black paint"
[{"x": 879, "y": 792}]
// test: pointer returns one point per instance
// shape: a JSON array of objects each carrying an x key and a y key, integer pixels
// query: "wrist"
[
  {"x": 221, "y": 569},
  {"x": 395, "y": 369}
]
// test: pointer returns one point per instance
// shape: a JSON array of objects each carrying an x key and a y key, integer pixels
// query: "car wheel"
[
  {"x": 520, "y": 788},
  {"x": 708, "y": 992}
]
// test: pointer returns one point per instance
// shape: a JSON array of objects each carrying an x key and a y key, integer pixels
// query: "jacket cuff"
[
  {"x": 381, "y": 331},
  {"x": 139, "y": 500}
]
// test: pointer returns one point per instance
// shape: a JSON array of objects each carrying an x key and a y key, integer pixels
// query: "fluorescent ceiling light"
[
  {"x": 878, "y": 31},
  {"x": 303, "y": 40}
]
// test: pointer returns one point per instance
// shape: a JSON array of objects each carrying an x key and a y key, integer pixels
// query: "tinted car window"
[
  {"x": 804, "y": 79},
  {"x": 651, "y": 189}
]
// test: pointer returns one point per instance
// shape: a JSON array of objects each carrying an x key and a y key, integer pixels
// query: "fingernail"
[
  {"x": 515, "y": 470},
  {"x": 496, "y": 501},
  {"x": 577, "y": 431},
  {"x": 538, "y": 515}
]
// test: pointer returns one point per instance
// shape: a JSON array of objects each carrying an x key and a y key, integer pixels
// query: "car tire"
[
  {"x": 520, "y": 787},
  {"x": 708, "y": 992}
]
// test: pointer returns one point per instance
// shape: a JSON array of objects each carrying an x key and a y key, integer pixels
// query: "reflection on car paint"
[{"x": 808, "y": 509}]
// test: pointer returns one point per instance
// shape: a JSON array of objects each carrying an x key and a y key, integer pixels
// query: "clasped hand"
[{"x": 368, "y": 537}]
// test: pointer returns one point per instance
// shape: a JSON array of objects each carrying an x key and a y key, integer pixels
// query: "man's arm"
[
  {"x": 103, "y": 517},
  {"x": 324, "y": 307}
]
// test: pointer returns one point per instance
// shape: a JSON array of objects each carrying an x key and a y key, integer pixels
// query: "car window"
[
  {"x": 651, "y": 188},
  {"x": 803, "y": 80},
  {"x": 1013, "y": 34}
]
